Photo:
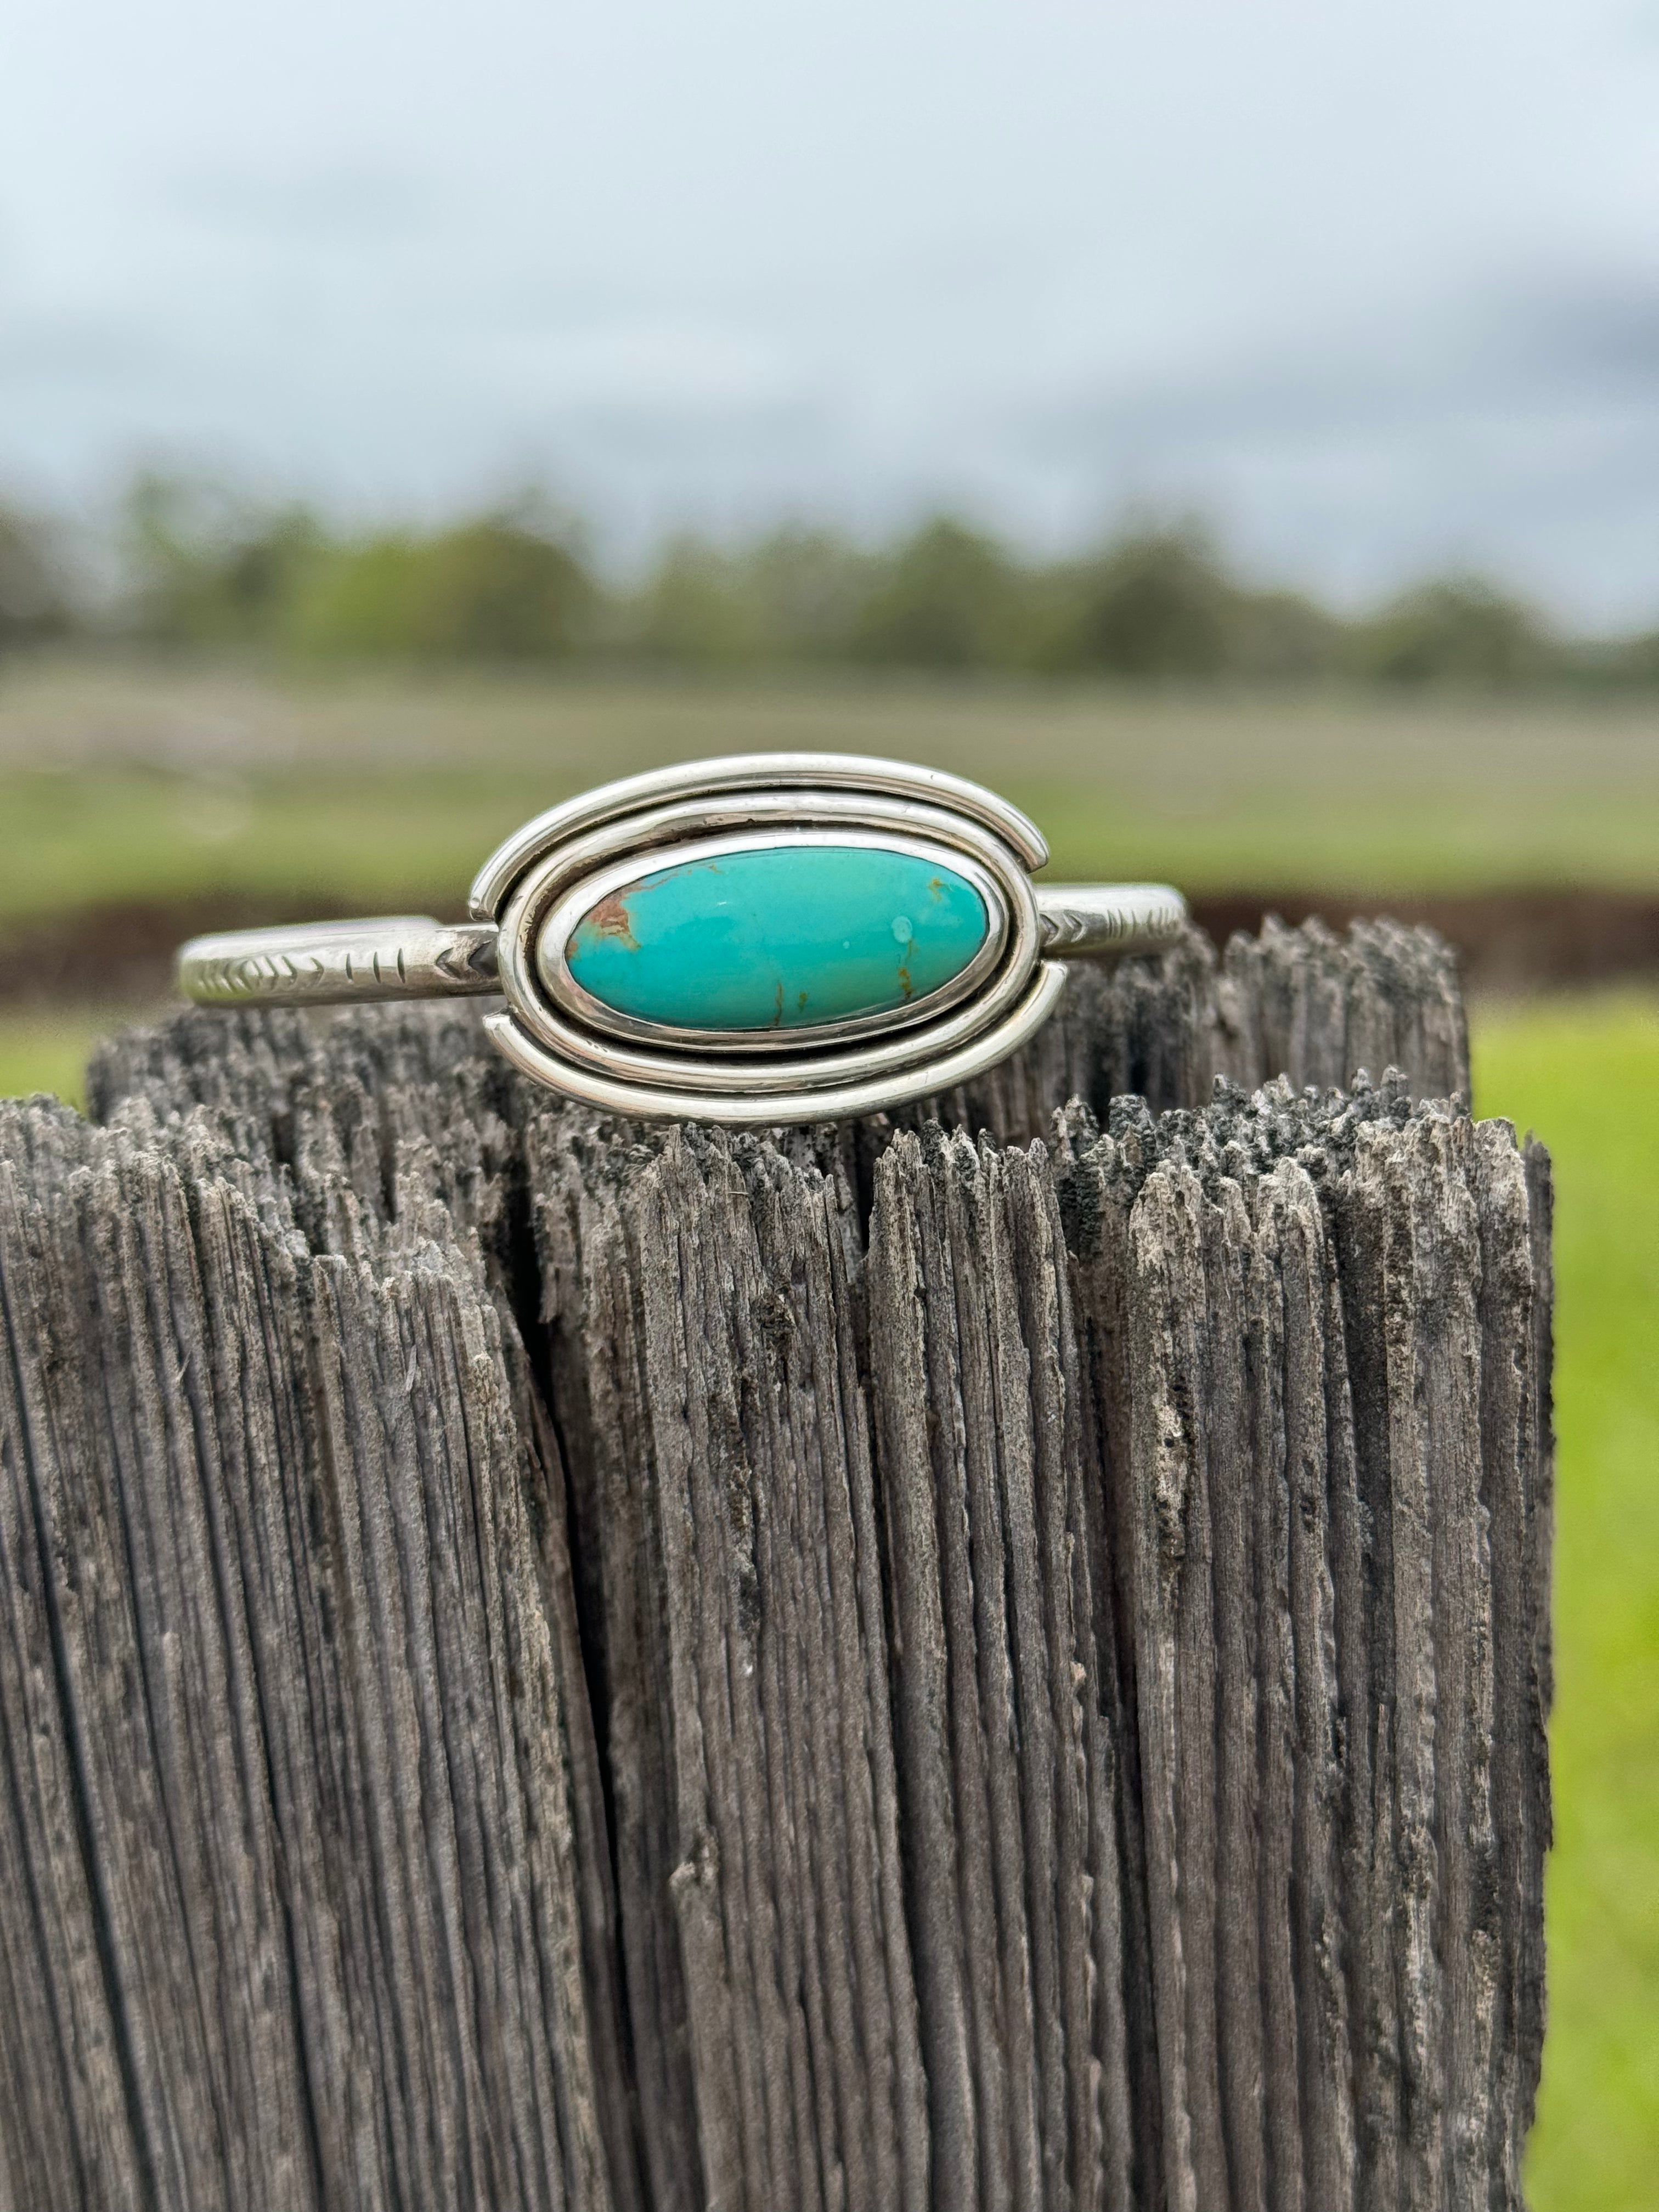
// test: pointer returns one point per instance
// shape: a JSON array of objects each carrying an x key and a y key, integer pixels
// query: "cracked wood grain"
[{"x": 994, "y": 1658}]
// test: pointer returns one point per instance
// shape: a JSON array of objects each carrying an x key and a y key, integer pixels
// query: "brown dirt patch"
[{"x": 1506, "y": 940}]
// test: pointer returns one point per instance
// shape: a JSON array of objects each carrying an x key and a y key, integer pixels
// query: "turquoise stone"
[{"x": 784, "y": 938}]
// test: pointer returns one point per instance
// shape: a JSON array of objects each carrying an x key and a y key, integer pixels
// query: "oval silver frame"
[
  {"x": 556, "y": 868},
  {"x": 580, "y": 1006}
]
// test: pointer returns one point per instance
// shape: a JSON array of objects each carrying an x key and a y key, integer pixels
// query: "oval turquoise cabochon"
[{"x": 786, "y": 936}]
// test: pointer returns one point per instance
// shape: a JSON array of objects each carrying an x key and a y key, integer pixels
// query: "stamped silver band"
[
  {"x": 530, "y": 897},
  {"x": 402, "y": 956}
]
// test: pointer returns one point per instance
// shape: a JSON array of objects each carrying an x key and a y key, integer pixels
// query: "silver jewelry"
[{"x": 772, "y": 937}]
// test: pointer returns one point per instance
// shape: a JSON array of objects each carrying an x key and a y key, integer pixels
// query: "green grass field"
[
  {"x": 49, "y": 1052},
  {"x": 1585, "y": 1075},
  {"x": 123, "y": 783}
]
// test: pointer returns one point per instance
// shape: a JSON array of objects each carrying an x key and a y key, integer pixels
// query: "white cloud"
[{"x": 1376, "y": 284}]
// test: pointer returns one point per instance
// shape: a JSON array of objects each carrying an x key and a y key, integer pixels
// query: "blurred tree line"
[
  {"x": 37, "y": 597},
  {"x": 202, "y": 568}
]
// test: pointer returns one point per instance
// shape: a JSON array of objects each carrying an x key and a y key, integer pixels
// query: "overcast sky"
[{"x": 1373, "y": 284}]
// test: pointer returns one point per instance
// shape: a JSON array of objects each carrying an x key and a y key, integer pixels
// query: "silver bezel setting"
[
  {"x": 580, "y": 1006},
  {"x": 549, "y": 873}
]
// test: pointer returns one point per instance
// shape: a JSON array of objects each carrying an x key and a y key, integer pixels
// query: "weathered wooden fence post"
[{"x": 551, "y": 1663}]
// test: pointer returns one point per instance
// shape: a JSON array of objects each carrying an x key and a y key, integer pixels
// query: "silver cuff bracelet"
[{"x": 768, "y": 938}]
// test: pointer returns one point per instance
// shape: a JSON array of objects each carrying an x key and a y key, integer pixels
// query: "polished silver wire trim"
[
  {"x": 758, "y": 774},
  {"x": 531, "y": 893},
  {"x": 777, "y": 1110}
]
